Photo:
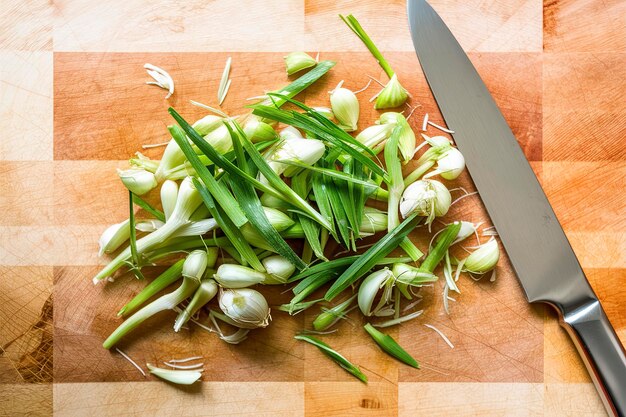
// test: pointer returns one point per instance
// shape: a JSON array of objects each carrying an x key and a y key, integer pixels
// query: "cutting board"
[{"x": 509, "y": 358}]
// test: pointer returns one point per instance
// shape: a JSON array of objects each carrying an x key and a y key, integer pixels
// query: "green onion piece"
[
  {"x": 330, "y": 266},
  {"x": 330, "y": 316},
  {"x": 302, "y": 83},
  {"x": 396, "y": 184},
  {"x": 300, "y": 184},
  {"x": 366, "y": 261},
  {"x": 358, "y": 30},
  {"x": 277, "y": 183},
  {"x": 325, "y": 130},
  {"x": 251, "y": 205},
  {"x": 133, "y": 238},
  {"x": 230, "y": 230},
  {"x": 221, "y": 194},
  {"x": 166, "y": 302},
  {"x": 147, "y": 207},
  {"x": 168, "y": 277},
  {"x": 390, "y": 346},
  {"x": 334, "y": 355},
  {"x": 332, "y": 173},
  {"x": 220, "y": 160},
  {"x": 443, "y": 242}
]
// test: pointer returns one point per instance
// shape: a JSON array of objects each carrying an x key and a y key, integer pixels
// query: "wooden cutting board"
[{"x": 86, "y": 109}]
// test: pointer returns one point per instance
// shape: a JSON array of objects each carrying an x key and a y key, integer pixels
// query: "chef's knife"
[{"x": 532, "y": 236}]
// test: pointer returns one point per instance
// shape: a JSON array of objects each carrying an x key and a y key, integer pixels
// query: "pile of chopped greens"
[{"x": 254, "y": 199}]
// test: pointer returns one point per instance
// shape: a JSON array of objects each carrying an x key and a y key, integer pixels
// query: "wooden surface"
[{"x": 73, "y": 107}]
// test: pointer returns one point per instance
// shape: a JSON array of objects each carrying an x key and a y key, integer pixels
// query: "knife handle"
[{"x": 602, "y": 353}]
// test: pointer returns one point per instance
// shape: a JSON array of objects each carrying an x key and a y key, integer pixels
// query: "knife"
[{"x": 530, "y": 232}]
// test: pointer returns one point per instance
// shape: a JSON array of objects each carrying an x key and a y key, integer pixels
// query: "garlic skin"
[
  {"x": 345, "y": 107},
  {"x": 237, "y": 276},
  {"x": 246, "y": 307},
  {"x": 138, "y": 181},
  {"x": 161, "y": 79},
  {"x": 278, "y": 269},
  {"x": 392, "y": 95},
  {"x": 113, "y": 237},
  {"x": 483, "y": 259},
  {"x": 297, "y": 61},
  {"x": 428, "y": 198}
]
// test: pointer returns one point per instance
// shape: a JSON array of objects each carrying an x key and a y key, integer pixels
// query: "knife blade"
[{"x": 534, "y": 240}]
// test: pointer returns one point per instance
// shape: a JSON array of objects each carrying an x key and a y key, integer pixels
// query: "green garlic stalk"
[
  {"x": 205, "y": 293},
  {"x": 193, "y": 270},
  {"x": 187, "y": 202},
  {"x": 171, "y": 275},
  {"x": 393, "y": 94},
  {"x": 330, "y": 316}
]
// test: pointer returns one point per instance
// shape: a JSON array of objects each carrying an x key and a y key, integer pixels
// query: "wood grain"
[
  {"x": 505, "y": 26},
  {"x": 264, "y": 399},
  {"x": 583, "y": 117},
  {"x": 584, "y": 25},
  {"x": 26, "y": 25},
  {"x": 93, "y": 111},
  {"x": 565, "y": 105},
  {"x": 470, "y": 399},
  {"x": 26, "y": 105},
  {"x": 167, "y": 25}
]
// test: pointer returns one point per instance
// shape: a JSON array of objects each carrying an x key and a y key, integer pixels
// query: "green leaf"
[
  {"x": 221, "y": 194},
  {"x": 251, "y": 205},
  {"x": 231, "y": 231},
  {"x": 331, "y": 173},
  {"x": 171, "y": 275},
  {"x": 335, "y": 135},
  {"x": 390, "y": 346},
  {"x": 301, "y": 185},
  {"x": 302, "y": 82},
  {"x": 278, "y": 188},
  {"x": 220, "y": 160},
  {"x": 358, "y": 30},
  {"x": 443, "y": 242},
  {"x": 334, "y": 355},
  {"x": 147, "y": 207},
  {"x": 367, "y": 260}
]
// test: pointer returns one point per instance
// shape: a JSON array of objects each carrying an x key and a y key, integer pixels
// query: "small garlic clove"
[
  {"x": 138, "y": 181},
  {"x": 278, "y": 269},
  {"x": 298, "y": 61},
  {"x": 392, "y": 95},
  {"x": 345, "y": 106},
  {"x": 483, "y": 259},
  {"x": 113, "y": 237},
  {"x": 237, "y": 276}
]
